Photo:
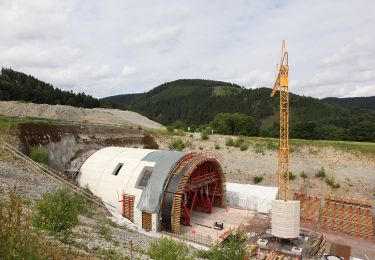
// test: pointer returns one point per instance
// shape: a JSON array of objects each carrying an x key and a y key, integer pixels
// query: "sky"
[{"x": 113, "y": 47}]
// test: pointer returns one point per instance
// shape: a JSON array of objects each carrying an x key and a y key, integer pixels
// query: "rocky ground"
[
  {"x": 96, "y": 236},
  {"x": 351, "y": 169}
]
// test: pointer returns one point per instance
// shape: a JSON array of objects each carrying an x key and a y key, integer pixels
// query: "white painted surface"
[
  {"x": 254, "y": 197},
  {"x": 96, "y": 173},
  {"x": 285, "y": 219}
]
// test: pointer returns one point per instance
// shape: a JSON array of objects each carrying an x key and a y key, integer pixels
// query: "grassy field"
[
  {"x": 272, "y": 143},
  {"x": 8, "y": 124}
]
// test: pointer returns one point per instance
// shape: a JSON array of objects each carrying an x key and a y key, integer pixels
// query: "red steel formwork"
[{"x": 201, "y": 191}]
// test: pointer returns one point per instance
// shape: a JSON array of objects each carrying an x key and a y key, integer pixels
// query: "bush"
[
  {"x": 240, "y": 140},
  {"x": 170, "y": 129},
  {"x": 168, "y": 249},
  {"x": 291, "y": 176},
  {"x": 271, "y": 145},
  {"x": 58, "y": 212},
  {"x": 204, "y": 135},
  {"x": 234, "y": 248},
  {"x": 229, "y": 141},
  {"x": 177, "y": 144},
  {"x": 321, "y": 173},
  {"x": 217, "y": 146},
  {"x": 19, "y": 240},
  {"x": 257, "y": 179},
  {"x": 259, "y": 148},
  {"x": 105, "y": 231},
  {"x": 40, "y": 155},
  {"x": 234, "y": 124},
  {"x": 244, "y": 146},
  {"x": 303, "y": 175},
  {"x": 331, "y": 182}
]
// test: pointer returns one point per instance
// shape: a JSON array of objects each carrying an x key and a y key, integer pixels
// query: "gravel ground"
[
  {"x": 17, "y": 177},
  {"x": 354, "y": 171},
  {"x": 82, "y": 115}
]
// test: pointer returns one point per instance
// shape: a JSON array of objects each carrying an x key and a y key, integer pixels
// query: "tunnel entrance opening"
[{"x": 202, "y": 191}]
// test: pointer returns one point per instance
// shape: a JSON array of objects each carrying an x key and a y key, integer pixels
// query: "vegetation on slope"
[
  {"x": 353, "y": 102},
  {"x": 19, "y": 86},
  {"x": 19, "y": 240},
  {"x": 197, "y": 102}
]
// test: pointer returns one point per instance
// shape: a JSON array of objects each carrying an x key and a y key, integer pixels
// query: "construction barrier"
[{"x": 345, "y": 214}]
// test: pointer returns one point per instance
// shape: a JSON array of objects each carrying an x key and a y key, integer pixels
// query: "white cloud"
[
  {"x": 128, "y": 70},
  {"x": 94, "y": 46},
  {"x": 160, "y": 36}
]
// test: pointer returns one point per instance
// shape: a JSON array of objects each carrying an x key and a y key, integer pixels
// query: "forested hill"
[
  {"x": 197, "y": 102},
  {"x": 353, "y": 102},
  {"x": 16, "y": 85}
]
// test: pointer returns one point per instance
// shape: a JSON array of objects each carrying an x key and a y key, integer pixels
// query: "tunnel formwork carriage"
[
  {"x": 197, "y": 183},
  {"x": 154, "y": 189}
]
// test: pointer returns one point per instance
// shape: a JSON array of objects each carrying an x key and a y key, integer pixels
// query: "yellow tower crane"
[{"x": 281, "y": 84}]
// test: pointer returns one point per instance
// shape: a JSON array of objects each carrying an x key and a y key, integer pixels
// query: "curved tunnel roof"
[{"x": 112, "y": 171}]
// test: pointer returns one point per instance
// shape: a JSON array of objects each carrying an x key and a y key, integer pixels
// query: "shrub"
[
  {"x": 105, "y": 231},
  {"x": 321, "y": 173},
  {"x": 259, "y": 148},
  {"x": 331, "y": 182},
  {"x": 19, "y": 240},
  {"x": 244, "y": 146},
  {"x": 170, "y": 129},
  {"x": 168, "y": 249},
  {"x": 217, "y": 146},
  {"x": 291, "y": 176},
  {"x": 234, "y": 248},
  {"x": 177, "y": 144},
  {"x": 204, "y": 135},
  {"x": 303, "y": 175},
  {"x": 40, "y": 155},
  {"x": 240, "y": 140},
  {"x": 229, "y": 141},
  {"x": 58, "y": 212},
  {"x": 257, "y": 179},
  {"x": 271, "y": 145}
]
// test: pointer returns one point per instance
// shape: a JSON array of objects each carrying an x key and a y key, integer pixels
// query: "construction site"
[{"x": 185, "y": 195}]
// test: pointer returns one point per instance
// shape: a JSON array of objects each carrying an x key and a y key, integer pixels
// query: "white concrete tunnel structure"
[{"x": 154, "y": 188}]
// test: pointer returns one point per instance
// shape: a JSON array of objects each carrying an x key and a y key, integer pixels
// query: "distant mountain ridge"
[
  {"x": 353, "y": 102},
  {"x": 197, "y": 102}
]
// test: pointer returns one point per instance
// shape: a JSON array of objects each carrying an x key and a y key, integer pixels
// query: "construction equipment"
[{"x": 281, "y": 84}]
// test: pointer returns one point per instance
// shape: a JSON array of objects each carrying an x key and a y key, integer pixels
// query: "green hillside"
[
  {"x": 16, "y": 85},
  {"x": 196, "y": 102},
  {"x": 353, "y": 102}
]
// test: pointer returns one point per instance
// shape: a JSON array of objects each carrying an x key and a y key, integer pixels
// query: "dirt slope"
[
  {"x": 82, "y": 115},
  {"x": 352, "y": 170}
]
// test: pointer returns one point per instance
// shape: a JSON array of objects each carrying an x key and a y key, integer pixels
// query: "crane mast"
[{"x": 281, "y": 84}]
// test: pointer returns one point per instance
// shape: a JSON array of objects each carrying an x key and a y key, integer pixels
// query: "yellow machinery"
[{"x": 281, "y": 84}]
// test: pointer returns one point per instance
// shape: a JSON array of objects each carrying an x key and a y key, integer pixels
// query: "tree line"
[{"x": 15, "y": 85}]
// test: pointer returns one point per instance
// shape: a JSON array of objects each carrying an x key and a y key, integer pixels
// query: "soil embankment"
[
  {"x": 75, "y": 114},
  {"x": 354, "y": 171},
  {"x": 69, "y": 146}
]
